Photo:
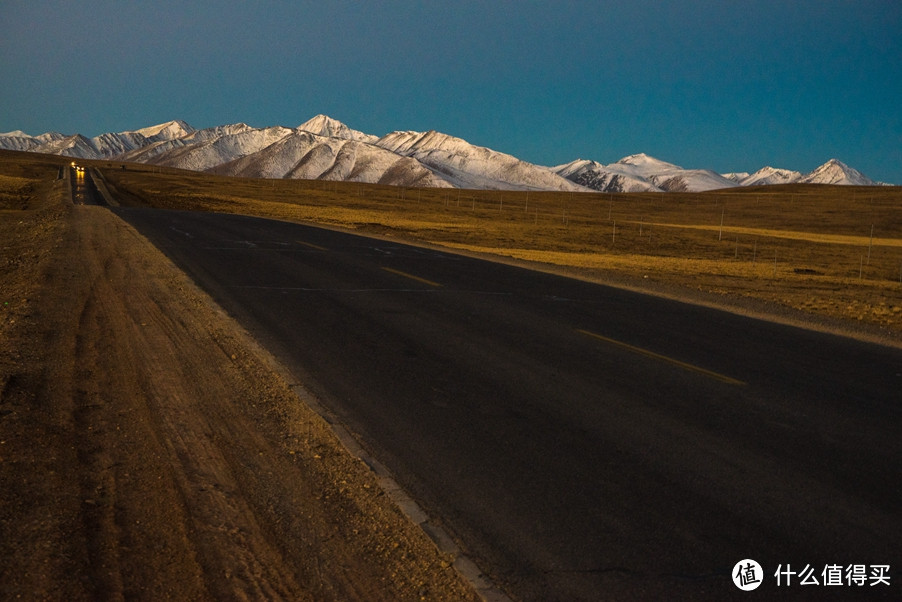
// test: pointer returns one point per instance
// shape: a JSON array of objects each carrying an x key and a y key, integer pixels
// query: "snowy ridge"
[
  {"x": 670, "y": 177},
  {"x": 165, "y": 131},
  {"x": 18, "y": 141},
  {"x": 112, "y": 145},
  {"x": 837, "y": 172},
  {"x": 208, "y": 154},
  {"x": 642, "y": 173},
  {"x": 469, "y": 166},
  {"x": 771, "y": 175},
  {"x": 596, "y": 176},
  {"x": 69, "y": 146},
  {"x": 737, "y": 176},
  {"x": 147, "y": 153},
  {"x": 327, "y": 149},
  {"x": 304, "y": 155},
  {"x": 321, "y": 125}
]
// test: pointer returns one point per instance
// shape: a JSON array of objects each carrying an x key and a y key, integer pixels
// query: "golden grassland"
[
  {"x": 22, "y": 176},
  {"x": 826, "y": 250}
]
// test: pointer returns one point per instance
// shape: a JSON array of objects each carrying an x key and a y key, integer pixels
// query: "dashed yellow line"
[
  {"x": 412, "y": 277},
  {"x": 312, "y": 246},
  {"x": 664, "y": 358}
]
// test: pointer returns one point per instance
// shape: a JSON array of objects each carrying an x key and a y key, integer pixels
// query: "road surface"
[{"x": 579, "y": 441}]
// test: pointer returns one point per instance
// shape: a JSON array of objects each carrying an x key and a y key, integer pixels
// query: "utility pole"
[{"x": 720, "y": 233}]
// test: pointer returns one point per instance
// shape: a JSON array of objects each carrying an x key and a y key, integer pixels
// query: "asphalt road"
[
  {"x": 84, "y": 190},
  {"x": 580, "y": 441}
]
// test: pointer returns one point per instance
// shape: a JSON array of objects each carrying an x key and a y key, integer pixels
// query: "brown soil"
[{"x": 150, "y": 450}]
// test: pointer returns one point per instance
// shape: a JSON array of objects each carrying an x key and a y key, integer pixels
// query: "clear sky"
[{"x": 718, "y": 84}]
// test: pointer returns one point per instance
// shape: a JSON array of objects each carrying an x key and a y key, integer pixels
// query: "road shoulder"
[{"x": 150, "y": 449}]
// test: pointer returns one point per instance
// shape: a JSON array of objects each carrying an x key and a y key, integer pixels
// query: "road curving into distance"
[{"x": 579, "y": 441}]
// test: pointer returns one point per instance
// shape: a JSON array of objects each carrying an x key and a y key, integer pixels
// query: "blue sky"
[{"x": 730, "y": 86}]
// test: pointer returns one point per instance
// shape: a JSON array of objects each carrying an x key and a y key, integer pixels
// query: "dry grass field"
[
  {"x": 29, "y": 218},
  {"x": 829, "y": 251}
]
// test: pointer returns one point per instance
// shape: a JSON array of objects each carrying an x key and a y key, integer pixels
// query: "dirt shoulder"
[{"x": 150, "y": 450}]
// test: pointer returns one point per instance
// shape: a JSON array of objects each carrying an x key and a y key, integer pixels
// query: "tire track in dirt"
[
  {"x": 156, "y": 453},
  {"x": 98, "y": 369}
]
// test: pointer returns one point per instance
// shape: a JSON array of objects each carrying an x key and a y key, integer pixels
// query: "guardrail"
[{"x": 100, "y": 183}]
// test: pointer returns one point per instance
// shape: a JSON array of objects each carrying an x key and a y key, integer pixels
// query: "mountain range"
[{"x": 326, "y": 149}]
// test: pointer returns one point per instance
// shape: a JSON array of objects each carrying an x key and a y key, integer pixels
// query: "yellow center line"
[
  {"x": 664, "y": 358},
  {"x": 311, "y": 245},
  {"x": 412, "y": 277}
]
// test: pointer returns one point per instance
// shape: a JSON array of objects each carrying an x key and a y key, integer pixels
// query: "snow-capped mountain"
[
  {"x": 837, "y": 172},
  {"x": 324, "y": 148},
  {"x": 736, "y": 176},
  {"x": 205, "y": 153},
  {"x": 165, "y": 131},
  {"x": 670, "y": 177},
  {"x": 596, "y": 176},
  {"x": 321, "y": 125},
  {"x": 69, "y": 146},
  {"x": 639, "y": 173},
  {"x": 831, "y": 172},
  {"x": 467, "y": 166},
  {"x": 771, "y": 175},
  {"x": 112, "y": 145},
  {"x": 100, "y": 147},
  {"x": 18, "y": 141},
  {"x": 305, "y": 155}
]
